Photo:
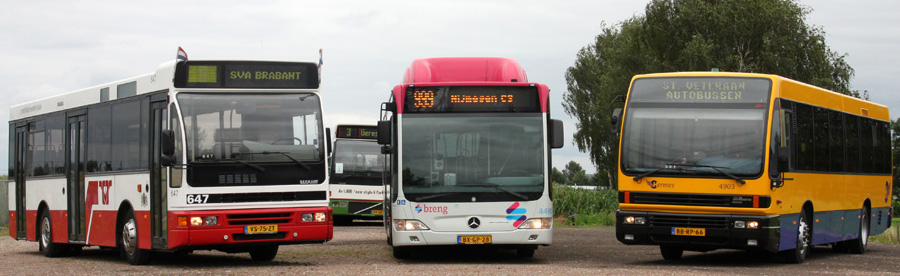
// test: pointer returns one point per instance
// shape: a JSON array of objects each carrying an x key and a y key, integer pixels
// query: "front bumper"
[{"x": 720, "y": 231}]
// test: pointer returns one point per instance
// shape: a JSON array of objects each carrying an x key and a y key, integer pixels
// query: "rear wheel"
[
  {"x": 129, "y": 242},
  {"x": 46, "y": 244},
  {"x": 264, "y": 253},
  {"x": 858, "y": 245},
  {"x": 671, "y": 253}
]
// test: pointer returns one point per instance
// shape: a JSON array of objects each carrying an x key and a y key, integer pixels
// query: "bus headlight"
[
  {"x": 746, "y": 224},
  {"x": 635, "y": 220},
  {"x": 208, "y": 220},
  {"x": 317, "y": 217},
  {"x": 537, "y": 223},
  {"x": 409, "y": 225}
]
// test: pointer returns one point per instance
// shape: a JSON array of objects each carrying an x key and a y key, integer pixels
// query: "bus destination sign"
[
  {"x": 471, "y": 99},
  {"x": 251, "y": 74},
  {"x": 357, "y": 132},
  {"x": 701, "y": 90}
]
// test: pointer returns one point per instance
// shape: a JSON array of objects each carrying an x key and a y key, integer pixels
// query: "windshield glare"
[
  {"x": 729, "y": 139},
  {"x": 252, "y": 127},
  {"x": 471, "y": 155}
]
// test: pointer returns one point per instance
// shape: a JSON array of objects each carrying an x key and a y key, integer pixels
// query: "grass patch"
[
  {"x": 581, "y": 207},
  {"x": 891, "y": 235}
]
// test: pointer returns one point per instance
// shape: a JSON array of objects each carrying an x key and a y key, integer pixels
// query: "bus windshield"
[
  {"x": 248, "y": 128},
  {"x": 694, "y": 141},
  {"x": 472, "y": 157},
  {"x": 357, "y": 162}
]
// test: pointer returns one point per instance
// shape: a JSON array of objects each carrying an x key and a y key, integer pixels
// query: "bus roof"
[{"x": 464, "y": 69}]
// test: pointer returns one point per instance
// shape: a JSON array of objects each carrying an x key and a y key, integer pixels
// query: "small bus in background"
[{"x": 357, "y": 169}]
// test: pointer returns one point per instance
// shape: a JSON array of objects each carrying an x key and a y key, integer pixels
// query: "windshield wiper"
[
  {"x": 257, "y": 167},
  {"x": 301, "y": 164},
  {"x": 495, "y": 186},
  {"x": 717, "y": 168}
]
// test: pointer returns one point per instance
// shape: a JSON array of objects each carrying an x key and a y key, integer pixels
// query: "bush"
[{"x": 584, "y": 207}]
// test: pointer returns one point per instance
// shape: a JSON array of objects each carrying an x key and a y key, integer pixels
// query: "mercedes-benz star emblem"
[{"x": 474, "y": 222}]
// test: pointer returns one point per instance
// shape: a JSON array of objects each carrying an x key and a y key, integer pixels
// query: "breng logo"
[
  {"x": 516, "y": 214},
  {"x": 431, "y": 209}
]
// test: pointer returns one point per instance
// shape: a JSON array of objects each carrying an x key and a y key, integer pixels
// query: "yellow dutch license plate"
[
  {"x": 700, "y": 232},
  {"x": 473, "y": 239},
  {"x": 261, "y": 229},
  {"x": 377, "y": 212}
]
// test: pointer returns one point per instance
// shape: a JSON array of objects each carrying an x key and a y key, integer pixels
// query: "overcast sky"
[{"x": 52, "y": 47}]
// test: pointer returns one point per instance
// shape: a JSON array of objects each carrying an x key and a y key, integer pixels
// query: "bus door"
[
  {"x": 158, "y": 174},
  {"x": 75, "y": 155},
  {"x": 20, "y": 149}
]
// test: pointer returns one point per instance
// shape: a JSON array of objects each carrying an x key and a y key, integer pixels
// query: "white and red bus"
[
  {"x": 198, "y": 155},
  {"x": 470, "y": 141},
  {"x": 357, "y": 169}
]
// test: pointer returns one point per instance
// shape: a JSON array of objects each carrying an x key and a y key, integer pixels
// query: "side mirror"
[
  {"x": 784, "y": 164},
  {"x": 384, "y": 132},
  {"x": 167, "y": 142},
  {"x": 615, "y": 119},
  {"x": 556, "y": 132},
  {"x": 167, "y": 145}
]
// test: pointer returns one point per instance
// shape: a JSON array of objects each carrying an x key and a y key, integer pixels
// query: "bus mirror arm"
[
  {"x": 614, "y": 120},
  {"x": 385, "y": 149},
  {"x": 783, "y": 167}
]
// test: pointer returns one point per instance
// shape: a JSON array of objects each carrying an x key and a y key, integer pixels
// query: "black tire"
[
  {"x": 858, "y": 245},
  {"x": 670, "y": 252},
  {"x": 128, "y": 242},
  {"x": 401, "y": 252},
  {"x": 525, "y": 252},
  {"x": 804, "y": 241},
  {"x": 45, "y": 238},
  {"x": 264, "y": 253}
]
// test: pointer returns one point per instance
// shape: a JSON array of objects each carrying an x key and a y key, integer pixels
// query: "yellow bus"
[{"x": 712, "y": 160}]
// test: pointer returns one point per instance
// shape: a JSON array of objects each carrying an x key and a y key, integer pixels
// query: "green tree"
[
  {"x": 557, "y": 176},
  {"x": 762, "y": 36},
  {"x": 572, "y": 172}
]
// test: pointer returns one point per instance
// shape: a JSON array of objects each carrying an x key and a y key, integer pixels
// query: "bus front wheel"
[
  {"x": 129, "y": 242},
  {"x": 804, "y": 241},
  {"x": 401, "y": 252},
  {"x": 264, "y": 253},
  {"x": 671, "y": 253}
]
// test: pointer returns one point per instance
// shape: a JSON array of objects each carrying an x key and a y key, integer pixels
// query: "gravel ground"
[{"x": 362, "y": 249}]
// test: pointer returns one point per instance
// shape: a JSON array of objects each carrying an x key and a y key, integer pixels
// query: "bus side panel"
[
  {"x": 828, "y": 227},
  {"x": 144, "y": 235},
  {"x": 102, "y": 228},
  {"x": 12, "y": 224},
  {"x": 60, "y": 225},
  {"x": 881, "y": 220},
  {"x": 789, "y": 228},
  {"x": 31, "y": 225}
]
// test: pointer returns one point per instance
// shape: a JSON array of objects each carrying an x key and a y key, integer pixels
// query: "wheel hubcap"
[
  {"x": 864, "y": 228},
  {"x": 45, "y": 232},
  {"x": 129, "y": 237},
  {"x": 803, "y": 236}
]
